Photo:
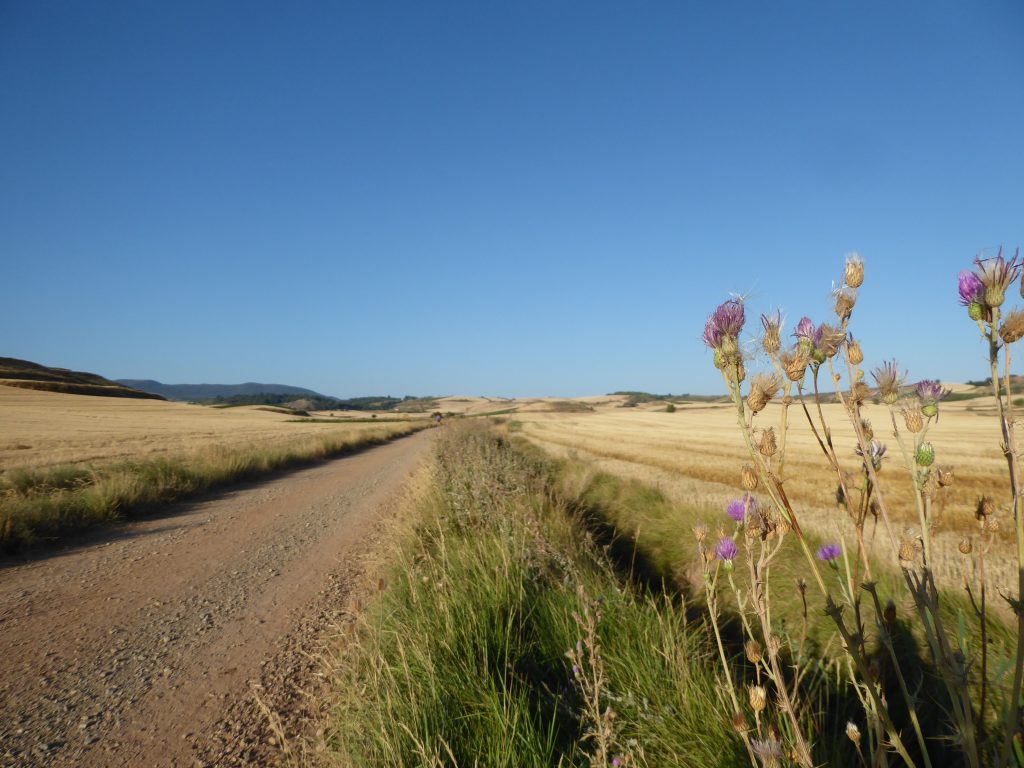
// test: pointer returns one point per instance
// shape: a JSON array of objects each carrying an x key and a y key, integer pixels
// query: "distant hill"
[
  {"x": 251, "y": 392},
  {"x": 29, "y": 375}
]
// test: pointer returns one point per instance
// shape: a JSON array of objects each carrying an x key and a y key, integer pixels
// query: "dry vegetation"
[{"x": 694, "y": 456}]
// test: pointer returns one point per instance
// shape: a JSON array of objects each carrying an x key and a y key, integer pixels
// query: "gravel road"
[{"x": 162, "y": 641}]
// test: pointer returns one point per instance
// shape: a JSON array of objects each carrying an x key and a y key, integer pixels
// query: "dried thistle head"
[
  {"x": 860, "y": 392},
  {"x": 991, "y": 524},
  {"x": 909, "y": 548},
  {"x": 753, "y": 651},
  {"x": 748, "y": 478},
  {"x": 1012, "y": 328},
  {"x": 984, "y": 508},
  {"x": 700, "y": 532},
  {"x": 945, "y": 476},
  {"x": 867, "y": 429},
  {"x": 853, "y": 352},
  {"x": 912, "y": 417},
  {"x": 966, "y": 546},
  {"x": 889, "y": 380},
  {"x": 763, "y": 388},
  {"x": 739, "y": 722},
  {"x": 876, "y": 452},
  {"x": 854, "y": 274},
  {"x": 853, "y": 732},
  {"x": 767, "y": 444},
  {"x": 829, "y": 340},
  {"x": 794, "y": 363},
  {"x": 845, "y": 301},
  {"x": 758, "y": 697},
  {"x": 771, "y": 342}
]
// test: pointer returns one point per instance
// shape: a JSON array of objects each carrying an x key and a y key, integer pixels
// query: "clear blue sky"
[{"x": 524, "y": 198}]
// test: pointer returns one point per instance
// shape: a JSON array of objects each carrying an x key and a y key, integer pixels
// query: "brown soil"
[{"x": 166, "y": 641}]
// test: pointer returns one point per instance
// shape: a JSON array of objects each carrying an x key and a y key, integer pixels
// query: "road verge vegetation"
[{"x": 40, "y": 505}]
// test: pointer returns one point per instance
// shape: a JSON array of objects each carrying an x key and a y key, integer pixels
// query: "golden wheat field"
[
  {"x": 46, "y": 429},
  {"x": 695, "y": 454}
]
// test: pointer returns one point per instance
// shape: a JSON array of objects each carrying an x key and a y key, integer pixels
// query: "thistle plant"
[{"x": 841, "y": 574}]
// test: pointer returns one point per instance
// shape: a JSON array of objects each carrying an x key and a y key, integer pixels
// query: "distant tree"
[{"x": 670, "y": 408}]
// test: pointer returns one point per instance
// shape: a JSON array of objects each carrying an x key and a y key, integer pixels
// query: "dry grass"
[
  {"x": 48, "y": 429},
  {"x": 694, "y": 456}
]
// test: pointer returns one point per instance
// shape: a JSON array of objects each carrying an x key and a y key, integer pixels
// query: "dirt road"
[{"x": 145, "y": 647}]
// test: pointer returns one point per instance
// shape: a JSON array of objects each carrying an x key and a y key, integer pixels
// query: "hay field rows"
[
  {"x": 695, "y": 454},
  {"x": 47, "y": 429}
]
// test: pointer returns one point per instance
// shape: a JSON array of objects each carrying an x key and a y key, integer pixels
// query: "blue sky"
[{"x": 531, "y": 198}]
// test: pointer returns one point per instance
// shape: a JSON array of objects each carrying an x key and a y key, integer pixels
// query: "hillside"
[
  {"x": 203, "y": 392},
  {"x": 29, "y": 375}
]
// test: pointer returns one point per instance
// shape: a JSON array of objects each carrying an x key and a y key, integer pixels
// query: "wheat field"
[
  {"x": 695, "y": 454},
  {"x": 39, "y": 430}
]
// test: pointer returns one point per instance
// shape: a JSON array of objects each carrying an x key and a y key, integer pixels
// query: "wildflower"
[
  {"x": 738, "y": 508},
  {"x": 972, "y": 294},
  {"x": 1013, "y": 327},
  {"x": 616, "y": 762},
  {"x": 996, "y": 275},
  {"x": 804, "y": 334},
  {"x": 726, "y": 549},
  {"x": 931, "y": 392},
  {"x": 889, "y": 379},
  {"x": 925, "y": 455},
  {"x": 772, "y": 339},
  {"x": 876, "y": 451},
  {"x": 723, "y": 326},
  {"x": 829, "y": 552},
  {"x": 854, "y": 270}
]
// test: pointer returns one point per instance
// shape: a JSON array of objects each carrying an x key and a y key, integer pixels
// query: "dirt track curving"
[{"x": 146, "y": 645}]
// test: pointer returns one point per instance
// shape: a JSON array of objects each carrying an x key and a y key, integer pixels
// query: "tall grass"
[
  {"x": 39, "y": 505},
  {"x": 507, "y": 638}
]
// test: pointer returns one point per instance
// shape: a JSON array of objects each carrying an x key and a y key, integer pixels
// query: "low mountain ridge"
[
  {"x": 28, "y": 375},
  {"x": 205, "y": 392}
]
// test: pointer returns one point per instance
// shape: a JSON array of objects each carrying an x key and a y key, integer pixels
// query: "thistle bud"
[
  {"x": 945, "y": 475},
  {"x": 753, "y": 651},
  {"x": 854, "y": 271},
  {"x": 995, "y": 295},
  {"x": 767, "y": 445},
  {"x": 758, "y": 697},
  {"x": 854, "y": 353},
  {"x": 966, "y": 546},
  {"x": 853, "y": 732},
  {"x": 748, "y": 478},
  {"x": 975, "y": 311},
  {"x": 925, "y": 455}
]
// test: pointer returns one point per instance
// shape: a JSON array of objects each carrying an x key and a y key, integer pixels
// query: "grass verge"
[{"x": 42, "y": 505}]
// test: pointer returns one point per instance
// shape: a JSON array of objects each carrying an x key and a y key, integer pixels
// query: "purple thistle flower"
[
  {"x": 616, "y": 762},
  {"x": 737, "y": 508},
  {"x": 805, "y": 330},
  {"x": 829, "y": 552},
  {"x": 996, "y": 275},
  {"x": 726, "y": 549},
  {"x": 931, "y": 391},
  {"x": 726, "y": 321},
  {"x": 972, "y": 290}
]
